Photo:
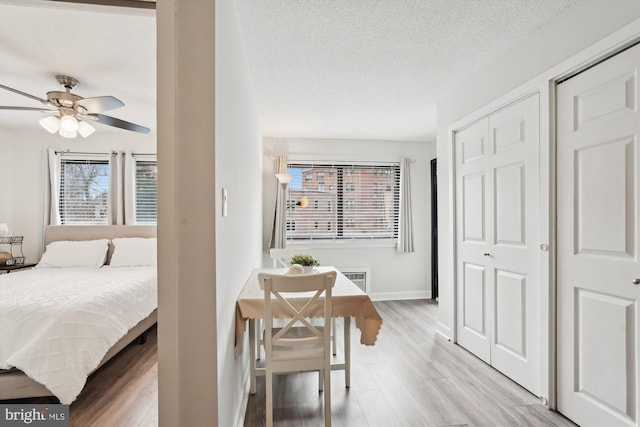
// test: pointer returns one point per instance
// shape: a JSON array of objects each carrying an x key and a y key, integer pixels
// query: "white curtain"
[
  {"x": 52, "y": 202},
  {"x": 129, "y": 188},
  {"x": 405, "y": 234},
  {"x": 116, "y": 200},
  {"x": 278, "y": 232}
]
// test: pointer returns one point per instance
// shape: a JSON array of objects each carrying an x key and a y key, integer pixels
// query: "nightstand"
[{"x": 15, "y": 267}]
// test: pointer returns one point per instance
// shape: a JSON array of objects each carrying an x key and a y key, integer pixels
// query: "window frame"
[
  {"x": 147, "y": 159},
  {"x": 115, "y": 187},
  {"x": 80, "y": 158},
  {"x": 346, "y": 170}
]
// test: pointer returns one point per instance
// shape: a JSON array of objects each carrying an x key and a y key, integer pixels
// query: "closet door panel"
[
  {"x": 514, "y": 138},
  {"x": 511, "y": 214},
  {"x": 473, "y": 201}
]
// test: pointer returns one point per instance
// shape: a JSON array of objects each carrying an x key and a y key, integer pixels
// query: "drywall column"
[{"x": 187, "y": 341}]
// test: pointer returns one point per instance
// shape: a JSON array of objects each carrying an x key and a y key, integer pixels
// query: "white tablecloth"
[{"x": 348, "y": 301}]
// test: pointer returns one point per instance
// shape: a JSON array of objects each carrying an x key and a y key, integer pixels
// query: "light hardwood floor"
[
  {"x": 411, "y": 377},
  {"x": 122, "y": 393}
]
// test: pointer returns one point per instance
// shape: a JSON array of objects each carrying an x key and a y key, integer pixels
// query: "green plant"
[{"x": 304, "y": 260}]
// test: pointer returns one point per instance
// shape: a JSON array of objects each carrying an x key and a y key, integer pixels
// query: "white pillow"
[
  {"x": 134, "y": 251},
  {"x": 75, "y": 253}
]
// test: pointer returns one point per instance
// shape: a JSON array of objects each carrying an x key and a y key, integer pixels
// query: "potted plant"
[{"x": 306, "y": 261}]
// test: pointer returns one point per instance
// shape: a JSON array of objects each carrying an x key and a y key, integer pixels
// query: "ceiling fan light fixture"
[
  {"x": 69, "y": 124},
  {"x": 85, "y": 129},
  {"x": 68, "y": 134},
  {"x": 71, "y": 110},
  {"x": 51, "y": 124}
]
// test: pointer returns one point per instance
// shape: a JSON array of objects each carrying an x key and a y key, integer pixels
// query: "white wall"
[
  {"x": 393, "y": 275},
  {"x": 23, "y": 170},
  {"x": 576, "y": 29},
  {"x": 5, "y": 175},
  {"x": 238, "y": 235}
]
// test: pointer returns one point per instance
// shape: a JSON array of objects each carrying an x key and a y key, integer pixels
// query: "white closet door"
[
  {"x": 497, "y": 236},
  {"x": 598, "y": 195},
  {"x": 514, "y": 135},
  {"x": 473, "y": 204}
]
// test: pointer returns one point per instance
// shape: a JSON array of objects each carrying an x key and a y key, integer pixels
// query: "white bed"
[{"x": 60, "y": 324}]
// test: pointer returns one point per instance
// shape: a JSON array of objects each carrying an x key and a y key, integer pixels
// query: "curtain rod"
[
  {"x": 301, "y": 159},
  {"x": 347, "y": 162},
  {"x": 83, "y": 152},
  {"x": 297, "y": 158},
  {"x": 140, "y": 154},
  {"x": 113, "y": 153}
]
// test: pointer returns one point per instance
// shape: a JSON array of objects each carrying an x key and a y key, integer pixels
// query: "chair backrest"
[
  {"x": 297, "y": 298},
  {"x": 281, "y": 257}
]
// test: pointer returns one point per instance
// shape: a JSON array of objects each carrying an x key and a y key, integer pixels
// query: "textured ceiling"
[
  {"x": 371, "y": 68},
  {"x": 320, "y": 68}
]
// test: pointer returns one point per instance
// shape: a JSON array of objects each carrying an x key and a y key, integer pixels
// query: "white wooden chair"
[
  {"x": 299, "y": 345},
  {"x": 280, "y": 258}
]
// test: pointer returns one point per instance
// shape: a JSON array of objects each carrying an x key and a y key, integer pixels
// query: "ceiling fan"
[{"x": 75, "y": 113}]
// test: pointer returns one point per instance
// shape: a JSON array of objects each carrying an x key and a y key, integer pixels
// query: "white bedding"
[{"x": 56, "y": 324}]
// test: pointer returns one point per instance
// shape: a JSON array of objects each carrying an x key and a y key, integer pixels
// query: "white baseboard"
[
  {"x": 443, "y": 330},
  {"x": 390, "y": 296}
]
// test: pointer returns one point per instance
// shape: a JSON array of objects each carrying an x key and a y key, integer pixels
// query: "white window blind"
[
  {"x": 355, "y": 201},
  {"x": 146, "y": 191},
  {"x": 84, "y": 189}
]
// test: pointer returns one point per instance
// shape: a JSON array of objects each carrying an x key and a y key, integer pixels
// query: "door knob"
[
  {"x": 636, "y": 281},
  {"x": 488, "y": 254}
]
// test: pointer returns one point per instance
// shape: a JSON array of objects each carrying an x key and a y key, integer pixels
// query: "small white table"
[{"x": 348, "y": 301}]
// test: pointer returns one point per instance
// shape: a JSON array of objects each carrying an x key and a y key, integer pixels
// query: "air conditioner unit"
[{"x": 358, "y": 275}]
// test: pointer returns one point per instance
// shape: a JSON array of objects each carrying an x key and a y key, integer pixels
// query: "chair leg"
[
  {"x": 252, "y": 353},
  {"x": 333, "y": 335},
  {"x": 260, "y": 340},
  {"x": 320, "y": 380},
  {"x": 269, "y": 400},
  {"x": 347, "y": 351},
  {"x": 327, "y": 397}
]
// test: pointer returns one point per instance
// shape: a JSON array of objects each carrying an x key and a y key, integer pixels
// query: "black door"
[{"x": 434, "y": 229}]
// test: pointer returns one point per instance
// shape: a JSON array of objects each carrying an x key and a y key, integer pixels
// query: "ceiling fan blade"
[
  {"x": 44, "y": 110},
  {"x": 112, "y": 121},
  {"x": 19, "y": 92},
  {"x": 99, "y": 104},
  {"x": 137, "y": 4}
]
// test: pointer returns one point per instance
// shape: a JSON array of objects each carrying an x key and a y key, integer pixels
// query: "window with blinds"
[
  {"x": 345, "y": 201},
  {"x": 84, "y": 190},
  {"x": 146, "y": 191}
]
